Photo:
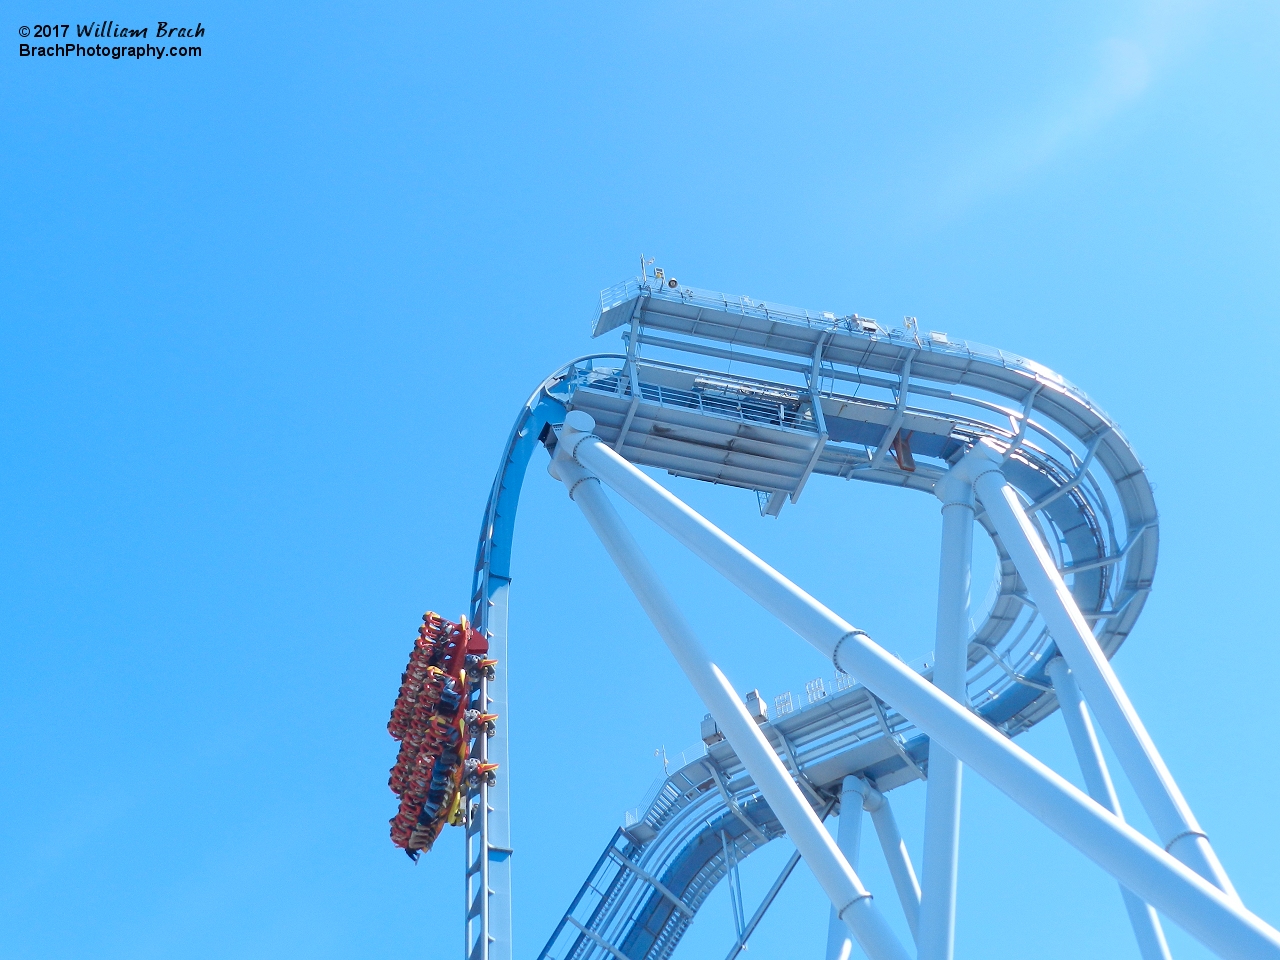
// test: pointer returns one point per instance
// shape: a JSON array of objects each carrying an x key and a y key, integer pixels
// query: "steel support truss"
[
  {"x": 849, "y": 897},
  {"x": 856, "y": 796},
  {"x": 1183, "y": 880}
]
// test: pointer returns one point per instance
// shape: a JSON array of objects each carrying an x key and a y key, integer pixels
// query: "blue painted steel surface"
[
  {"x": 488, "y": 848},
  {"x": 761, "y": 431}
]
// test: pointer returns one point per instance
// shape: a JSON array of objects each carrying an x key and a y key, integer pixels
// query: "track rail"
[{"x": 766, "y": 397}]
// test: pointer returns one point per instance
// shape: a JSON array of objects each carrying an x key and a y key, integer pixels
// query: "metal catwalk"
[{"x": 765, "y": 397}]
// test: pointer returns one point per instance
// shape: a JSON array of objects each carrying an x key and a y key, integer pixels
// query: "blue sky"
[{"x": 268, "y": 315}]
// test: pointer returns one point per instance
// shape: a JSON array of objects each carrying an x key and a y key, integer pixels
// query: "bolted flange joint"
[
  {"x": 578, "y": 426},
  {"x": 564, "y": 465},
  {"x": 835, "y": 653}
]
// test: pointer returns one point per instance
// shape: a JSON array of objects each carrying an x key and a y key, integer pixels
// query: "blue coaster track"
[{"x": 764, "y": 397}]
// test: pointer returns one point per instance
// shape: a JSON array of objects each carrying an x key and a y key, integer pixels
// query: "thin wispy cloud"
[{"x": 1123, "y": 69}]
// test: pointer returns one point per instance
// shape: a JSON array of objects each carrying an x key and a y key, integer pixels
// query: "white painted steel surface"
[
  {"x": 1206, "y": 912},
  {"x": 1157, "y": 791},
  {"x": 807, "y": 395},
  {"x": 896, "y": 856},
  {"x": 1145, "y": 923},
  {"x": 849, "y": 840},
  {"x": 850, "y": 898},
  {"x": 951, "y": 660}
]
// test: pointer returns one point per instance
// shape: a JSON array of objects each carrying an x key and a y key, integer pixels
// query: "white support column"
[
  {"x": 849, "y": 840},
  {"x": 950, "y": 669},
  {"x": 1157, "y": 791},
  {"x": 895, "y": 855},
  {"x": 833, "y": 873},
  {"x": 1146, "y": 924},
  {"x": 1206, "y": 912}
]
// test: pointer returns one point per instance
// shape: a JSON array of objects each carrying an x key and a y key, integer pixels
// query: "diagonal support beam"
[
  {"x": 895, "y": 855},
  {"x": 772, "y": 895},
  {"x": 1146, "y": 925},
  {"x": 1157, "y": 791},
  {"x": 832, "y": 871},
  {"x": 849, "y": 839},
  {"x": 734, "y": 881},
  {"x": 1216, "y": 919},
  {"x": 765, "y": 904},
  {"x": 769, "y": 897}
]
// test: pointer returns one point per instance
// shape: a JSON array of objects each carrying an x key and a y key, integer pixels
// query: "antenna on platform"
[
  {"x": 913, "y": 328},
  {"x": 1044, "y": 647}
]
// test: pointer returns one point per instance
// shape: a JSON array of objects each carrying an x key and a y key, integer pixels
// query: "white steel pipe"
[
  {"x": 849, "y": 840},
  {"x": 1146, "y": 924},
  {"x": 1206, "y": 912},
  {"x": 848, "y": 896},
  {"x": 1157, "y": 791},
  {"x": 950, "y": 669},
  {"x": 895, "y": 855}
]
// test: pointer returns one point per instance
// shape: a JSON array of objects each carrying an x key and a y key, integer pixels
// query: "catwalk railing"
[{"x": 755, "y": 395}]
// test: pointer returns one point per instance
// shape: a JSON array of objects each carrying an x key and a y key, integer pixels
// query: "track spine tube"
[
  {"x": 839, "y": 881},
  {"x": 1157, "y": 791},
  {"x": 1216, "y": 919}
]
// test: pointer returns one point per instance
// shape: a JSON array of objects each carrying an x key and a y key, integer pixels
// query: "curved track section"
[
  {"x": 709, "y": 815},
  {"x": 765, "y": 397}
]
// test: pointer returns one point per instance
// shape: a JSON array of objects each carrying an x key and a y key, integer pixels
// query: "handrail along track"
[{"x": 763, "y": 397}]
